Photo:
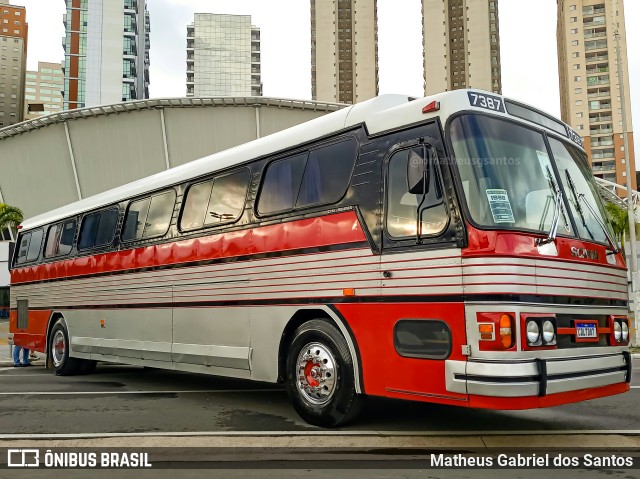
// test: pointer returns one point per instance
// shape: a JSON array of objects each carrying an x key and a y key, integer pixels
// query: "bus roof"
[{"x": 383, "y": 113}]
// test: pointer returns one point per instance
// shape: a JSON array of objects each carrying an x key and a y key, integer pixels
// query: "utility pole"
[{"x": 630, "y": 205}]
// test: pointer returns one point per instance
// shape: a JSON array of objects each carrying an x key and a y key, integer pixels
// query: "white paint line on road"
[
  {"x": 98, "y": 393},
  {"x": 321, "y": 432}
]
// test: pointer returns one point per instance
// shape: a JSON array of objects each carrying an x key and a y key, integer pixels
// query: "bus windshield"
[{"x": 509, "y": 180}]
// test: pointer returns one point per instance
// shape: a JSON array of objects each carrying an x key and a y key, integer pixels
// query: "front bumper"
[{"x": 536, "y": 377}]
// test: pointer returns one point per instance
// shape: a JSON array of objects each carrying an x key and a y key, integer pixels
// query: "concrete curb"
[{"x": 477, "y": 440}]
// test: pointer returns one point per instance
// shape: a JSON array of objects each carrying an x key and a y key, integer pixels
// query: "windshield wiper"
[
  {"x": 614, "y": 247},
  {"x": 581, "y": 197},
  {"x": 553, "y": 231},
  {"x": 576, "y": 200}
]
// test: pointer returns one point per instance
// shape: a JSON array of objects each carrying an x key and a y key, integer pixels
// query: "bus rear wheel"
[
  {"x": 320, "y": 375},
  {"x": 59, "y": 351}
]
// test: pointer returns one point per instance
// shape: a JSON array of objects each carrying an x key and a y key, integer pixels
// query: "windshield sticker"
[
  {"x": 545, "y": 163},
  {"x": 500, "y": 206}
]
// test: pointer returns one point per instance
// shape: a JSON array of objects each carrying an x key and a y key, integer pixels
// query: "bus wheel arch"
[
  {"x": 321, "y": 374},
  {"x": 58, "y": 348},
  {"x": 302, "y": 316}
]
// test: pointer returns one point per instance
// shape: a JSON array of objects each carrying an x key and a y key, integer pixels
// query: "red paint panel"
[
  {"x": 35, "y": 336},
  {"x": 550, "y": 400},
  {"x": 336, "y": 229},
  {"x": 382, "y": 366},
  {"x": 508, "y": 243}
]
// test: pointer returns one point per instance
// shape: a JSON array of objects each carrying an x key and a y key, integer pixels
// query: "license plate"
[{"x": 586, "y": 331}]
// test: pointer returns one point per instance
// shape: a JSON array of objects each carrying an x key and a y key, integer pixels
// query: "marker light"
[{"x": 431, "y": 107}]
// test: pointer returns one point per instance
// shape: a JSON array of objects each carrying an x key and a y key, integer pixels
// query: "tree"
[
  {"x": 10, "y": 218},
  {"x": 619, "y": 218}
]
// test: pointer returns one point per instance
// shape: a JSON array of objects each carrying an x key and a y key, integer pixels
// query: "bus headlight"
[
  {"x": 549, "y": 333},
  {"x": 617, "y": 331},
  {"x": 625, "y": 332},
  {"x": 533, "y": 333}
]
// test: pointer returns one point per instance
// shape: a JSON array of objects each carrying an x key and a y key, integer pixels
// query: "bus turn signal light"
[
  {"x": 506, "y": 330},
  {"x": 496, "y": 331}
]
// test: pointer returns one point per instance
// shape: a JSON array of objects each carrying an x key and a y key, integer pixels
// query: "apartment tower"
[
  {"x": 13, "y": 62},
  {"x": 223, "y": 56},
  {"x": 43, "y": 91},
  {"x": 344, "y": 50},
  {"x": 106, "y": 52},
  {"x": 461, "y": 45},
  {"x": 589, "y": 86}
]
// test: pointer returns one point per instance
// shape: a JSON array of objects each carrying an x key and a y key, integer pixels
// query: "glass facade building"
[{"x": 223, "y": 56}]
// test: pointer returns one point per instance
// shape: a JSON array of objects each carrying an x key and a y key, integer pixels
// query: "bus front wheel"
[
  {"x": 320, "y": 375},
  {"x": 59, "y": 351}
]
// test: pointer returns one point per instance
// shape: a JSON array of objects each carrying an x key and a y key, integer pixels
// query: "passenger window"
[
  {"x": 24, "y": 247},
  {"x": 217, "y": 201},
  {"x": 282, "y": 184},
  {"x": 29, "y": 249},
  {"x": 60, "y": 239},
  {"x": 327, "y": 174},
  {"x": 149, "y": 217},
  {"x": 402, "y": 205},
  {"x": 227, "y": 198},
  {"x": 98, "y": 229},
  {"x": 195, "y": 208},
  {"x": 34, "y": 246}
]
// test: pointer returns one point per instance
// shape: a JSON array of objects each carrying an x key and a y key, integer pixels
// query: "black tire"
[
  {"x": 320, "y": 375},
  {"x": 59, "y": 351}
]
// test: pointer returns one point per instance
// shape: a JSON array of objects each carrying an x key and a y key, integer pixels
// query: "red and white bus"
[{"x": 451, "y": 249}]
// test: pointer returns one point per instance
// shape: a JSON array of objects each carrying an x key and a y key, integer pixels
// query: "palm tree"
[
  {"x": 10, "y": 218},
  {"x": 619, "y": 218}
]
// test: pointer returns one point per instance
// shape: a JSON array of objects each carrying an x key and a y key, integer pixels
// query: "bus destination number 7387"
[{"x": 487, "y": 102}]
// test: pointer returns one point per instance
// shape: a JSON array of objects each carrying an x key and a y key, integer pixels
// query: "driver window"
[{"x": 402, "y": 206}]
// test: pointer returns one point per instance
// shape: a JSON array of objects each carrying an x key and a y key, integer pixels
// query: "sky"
[{"x": 527, "y": 36}]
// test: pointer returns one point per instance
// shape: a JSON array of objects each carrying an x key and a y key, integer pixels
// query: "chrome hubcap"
[
  {"x": 58, "y": 348},
  {"x": 316, "y": 373}
]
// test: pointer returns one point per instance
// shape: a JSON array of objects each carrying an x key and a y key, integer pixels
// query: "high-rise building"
[
  {"x": 590, "y": 96},
  {"x": 344, "y": 50},
  {"x": 223, "y": 56},
  {"x": 44, "y": 91},
  {"x": 13, "y": 62},
  {"x": 106, "y": 52},
  {"x": 461, "y": 45}
]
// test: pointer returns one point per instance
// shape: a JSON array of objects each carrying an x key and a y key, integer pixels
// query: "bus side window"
[
  {"x": 327, "y": 174},
  {"x": 24, "y": 247},
  {"x": 149, "y": 217},
  {"x": 98, "y": 229},
  {"x": 227, "y": 198},
  {"x": 29, "y": 249},
  {"x": 60, "y": 239},
  {"x": 281, "y": 184},
  {"x": 34, "y": 246}
]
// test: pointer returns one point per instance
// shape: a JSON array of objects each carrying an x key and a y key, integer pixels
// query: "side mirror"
[{"x": 419, "y": 170}]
